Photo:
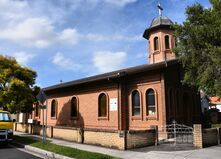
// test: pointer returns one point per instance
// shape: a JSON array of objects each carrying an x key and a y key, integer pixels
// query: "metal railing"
[{"x": 175, "y": 133}]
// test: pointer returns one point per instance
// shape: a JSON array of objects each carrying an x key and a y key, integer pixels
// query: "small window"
[
  {"x": 102, "y": 105},
  {"x": 156, "y": 43},
  {"x": 54, "y": 105},
  {"x": 37, "y": 109},
  {"x": 74, "y": 109},
  {"x": 150, "y": 102},
  {"x": 135, "y": 103},
  {"x": 167, "y": 42}
]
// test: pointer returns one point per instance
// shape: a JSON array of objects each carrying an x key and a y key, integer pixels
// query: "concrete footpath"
[{"x": 213, "y": 152}]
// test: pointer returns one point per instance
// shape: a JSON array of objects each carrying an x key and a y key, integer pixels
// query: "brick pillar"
[{"x": 197, "y": 136}]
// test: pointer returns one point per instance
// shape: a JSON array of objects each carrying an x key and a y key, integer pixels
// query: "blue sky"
[{"x": 72, "y": 39}]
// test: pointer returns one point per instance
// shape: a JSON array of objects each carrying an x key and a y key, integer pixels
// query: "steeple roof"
[{"x": 158, "y": 22}]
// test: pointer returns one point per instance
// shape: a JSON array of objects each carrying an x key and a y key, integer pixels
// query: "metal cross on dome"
[{"x": 160, "y": 9}]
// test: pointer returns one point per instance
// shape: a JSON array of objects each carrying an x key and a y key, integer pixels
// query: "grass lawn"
[{"x": 62, "y": 150}]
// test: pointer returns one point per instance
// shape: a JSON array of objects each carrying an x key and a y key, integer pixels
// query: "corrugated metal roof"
[{"x": 114, "y": 74}]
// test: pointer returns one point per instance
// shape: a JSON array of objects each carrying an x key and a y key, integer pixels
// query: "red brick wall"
[
  {"x": 142, "y": 83},
  {"x": 162, "y": 54},
  {"x": 88, "y": 102},
  {"x": 88, "y": 109},
  {"x": 182, "y": 102}
]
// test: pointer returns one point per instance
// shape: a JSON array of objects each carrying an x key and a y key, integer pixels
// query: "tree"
[
  {"x": 17, "y": 93},
  {"x": 199, "y": 47}
]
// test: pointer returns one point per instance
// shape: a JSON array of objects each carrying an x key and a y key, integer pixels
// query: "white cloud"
[
  {"x": 70, "y": 36},
  {"x": 38, "y": 28},
  {"x": 40, "y": 33},
  {"x": 23, "y": 57},
  {"x": 106, "y": 61},
  {"x": 12, "y": 10},
  {"x": 120, "y": 3},
  {"x": 64, "y": 62},
  {"x": 100, "y": 37},
  {"x": 77, "y": 3},
  {"x": 37, "y": 32}
]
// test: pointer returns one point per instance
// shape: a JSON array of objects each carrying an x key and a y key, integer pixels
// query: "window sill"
[
  {"x": 53, "y": 118},
  {"x": 136, "y": 117},
  {"x": 103, "y": 118},
  {"x": 156, "y": 52},
  {"x": 151, "y": 117}
]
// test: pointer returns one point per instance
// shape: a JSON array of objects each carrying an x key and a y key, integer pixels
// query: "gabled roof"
[{"x": 114, "y": 74}]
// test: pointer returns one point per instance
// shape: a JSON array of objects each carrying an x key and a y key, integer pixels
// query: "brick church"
[{"x": 126, "y": 100}]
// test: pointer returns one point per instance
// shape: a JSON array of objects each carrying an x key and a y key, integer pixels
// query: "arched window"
[
  {"x": 74, "y": 107},
  {"x": 167, "y": 41},
  {"x": 150, "y": 102},
  {"x": 102, "y": 105},
  {"x": 37, "y": 109},
  {"x": 135, "y": 103},
  {"x": 156, "y": 43},
  {"x": 54, "y": 105}
]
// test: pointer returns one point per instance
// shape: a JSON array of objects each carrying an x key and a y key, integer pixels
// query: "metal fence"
[{"x": 175, "y": 134}]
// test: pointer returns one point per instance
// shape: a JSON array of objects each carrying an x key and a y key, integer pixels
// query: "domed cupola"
[
  {"x": 157, "y": 23},
  {"x": 160, "y": 37}
]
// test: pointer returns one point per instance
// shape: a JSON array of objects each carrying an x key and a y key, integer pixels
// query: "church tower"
[{"x": 160, "y": 38}]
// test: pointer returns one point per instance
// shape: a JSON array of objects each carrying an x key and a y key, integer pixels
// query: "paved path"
[
  {"x": 142, "y": 153},
  {"x": 9, "y": 152}
]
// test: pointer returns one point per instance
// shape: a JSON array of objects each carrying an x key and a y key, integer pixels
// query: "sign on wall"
[{"x": 113, "y": 104}]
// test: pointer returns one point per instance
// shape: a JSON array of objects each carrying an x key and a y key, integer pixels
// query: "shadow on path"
[{"x": 166, "y": 147}]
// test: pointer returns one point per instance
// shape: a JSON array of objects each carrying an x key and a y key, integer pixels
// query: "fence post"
[
  {"x": 197, "y": 136},
  {"x": 174, "y": 131}
]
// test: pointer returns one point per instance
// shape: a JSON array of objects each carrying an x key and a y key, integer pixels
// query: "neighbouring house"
[
  {"x": 215, "y": 102},
  {"x": 215, "y": 109},
  {"x": 120, "y": 108}
]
